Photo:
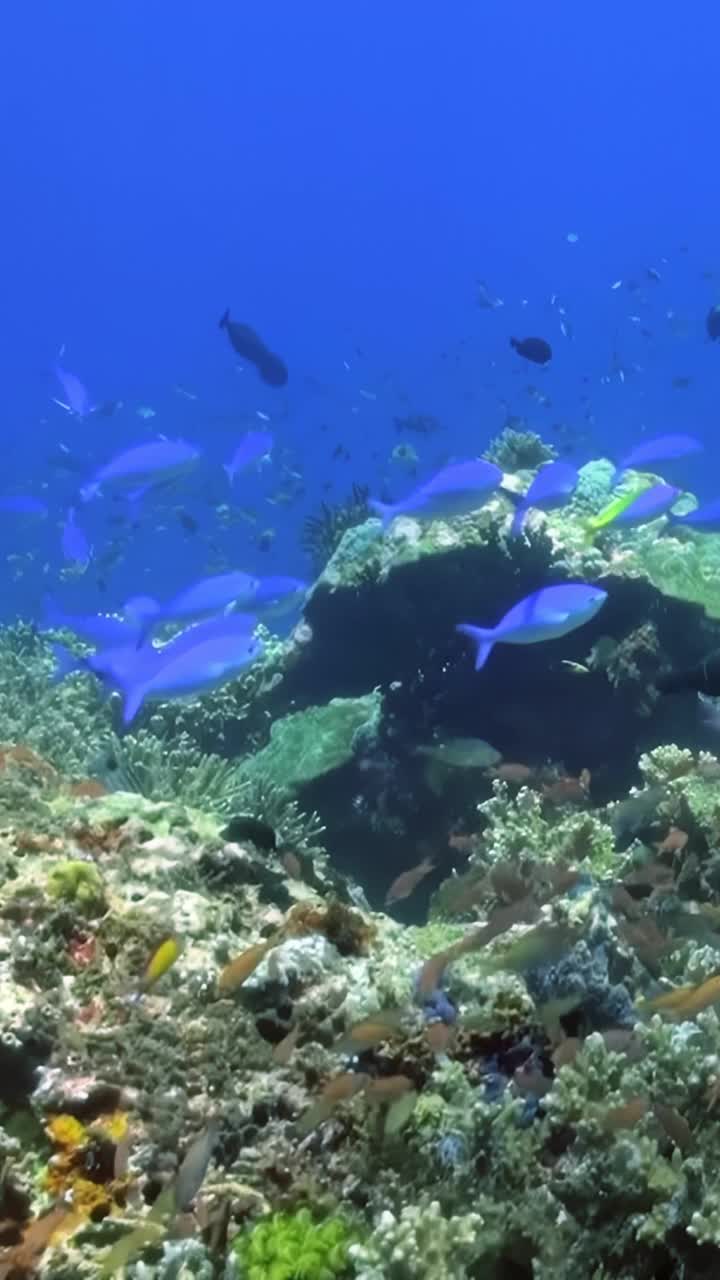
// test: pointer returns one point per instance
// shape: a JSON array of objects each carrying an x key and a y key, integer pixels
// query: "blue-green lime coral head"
[{"x": 293, "y": 1246}]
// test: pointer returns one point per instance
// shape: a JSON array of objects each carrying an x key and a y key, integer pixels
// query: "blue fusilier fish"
[
  {"x": 198, "y": 658},
  {"x": 100, "y": 629},
  {"x": 76, "y": 548},
  {"x": 649, "y": 505},
  {"x": 551, "y": 487},
  {"x": 143, "y": 466},
  {"x": 218, "y": 651},
  {"x": 277, "y": 595},
  {"x": 704, "y": 519},
  {"x": 255, "y": 446},
  {"x": 547, "y": 614},
  {"x": 76, "y": 401},
  {"x": 112, "y": 666},
  {"x": 454, "y": 491},
  {"x": 659, "y": 449},
  {"x": 212, "y": 595}
]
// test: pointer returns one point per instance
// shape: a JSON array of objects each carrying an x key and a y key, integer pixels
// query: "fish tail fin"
[
  {"x": 66, "y": 663},
  {"x": 53, "y": 619},
  {"x": 482, "y": 638},
  {"x": 383, "y": 510},
  {"x": 518, "y": 521},
  {"x": 224, "y": 319},
  {"x": 514, "y": 343},
  {"x": 145, "y": 612},
  {"x": 133, "y": 698},
  {"x": 229, "y": 472}
]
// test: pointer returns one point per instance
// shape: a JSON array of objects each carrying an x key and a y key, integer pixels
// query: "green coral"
[
  {"x": 164, "y": 767},
  {"x": 293, "y": 1246},
  {"x": 64, "y": 723},
  {"x": 79, "y": 882},
  {"x": 688, "y": 569},
  {"x": 172, "y": 767},
  {"x": 307, "y": 744},
  {"x": 519, "y": 827}
]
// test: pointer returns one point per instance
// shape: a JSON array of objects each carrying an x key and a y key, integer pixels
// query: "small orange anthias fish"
[
  {"x": 625, "y": 1116},
  {"x": 387, "y": 1088},
  {"x": 568, "y": 790},
  {"x": 284, "y": 1050},
  {"x": 685, "y": 1002},
  {"x": 516, "y": 773},
  {"x": 674, "y": 842},
  {"x": 380, "y": 1026},
  {"x": 291, "y": 863},
  {"x": 239, "y": 969},
  {"x": 338, "y": 1089},
  {"x": 439, "y": 1036},
  {"x": 431, "y": 974},
  {"x": 408, "y": 881}
]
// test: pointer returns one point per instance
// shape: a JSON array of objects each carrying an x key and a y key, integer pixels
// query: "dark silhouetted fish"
[
  {"x": 712, "y": 323},
  {"x": 704, "y": 678},
  {"x": 248, "y": 344},
  {"x": 535, "y": 349}
]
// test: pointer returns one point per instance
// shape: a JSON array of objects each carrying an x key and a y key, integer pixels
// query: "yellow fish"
[
  {"x": 236, "y": 972},
  {"x": 383, "y": 1025},
  {"x": 615, "y": 508},
  {"x": 162, "y": 959},
  {"x": 685, "y": 1002}
]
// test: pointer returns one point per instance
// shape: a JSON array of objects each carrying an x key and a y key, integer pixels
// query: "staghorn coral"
[
  {"x": 665, "y": 764},
  {"x": 420, "y": 1244},
  {"x": 518, "y": 826}
]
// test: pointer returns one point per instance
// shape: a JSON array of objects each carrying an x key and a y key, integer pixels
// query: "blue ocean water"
[{"x": 341, "y": 176}]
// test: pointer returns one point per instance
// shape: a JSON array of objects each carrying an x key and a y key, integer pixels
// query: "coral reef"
[{"x": 527, "y": 1083}]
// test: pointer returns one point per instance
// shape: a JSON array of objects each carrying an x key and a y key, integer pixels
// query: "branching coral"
[
  {"x": 64, "y": 722},
  {"x": 420, "y": 1244},
  {"x": 518, "y": 827}
]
